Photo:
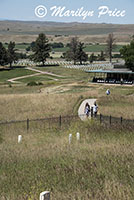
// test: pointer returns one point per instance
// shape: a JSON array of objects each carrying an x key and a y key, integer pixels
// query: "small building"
[{"x": 117, "y": 76}]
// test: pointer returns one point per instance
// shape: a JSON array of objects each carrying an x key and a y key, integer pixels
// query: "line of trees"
[{"x": 41, "y": 51}]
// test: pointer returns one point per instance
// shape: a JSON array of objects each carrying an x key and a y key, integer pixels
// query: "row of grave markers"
[
  {"x": 69, "y": 138},
  {"x": 28, "y": 62}
]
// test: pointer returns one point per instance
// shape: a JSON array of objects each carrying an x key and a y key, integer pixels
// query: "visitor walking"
[
  {"x": 95, "y": 109},
  {"x": 87, "y": 109},
  {"x": 108, "y": 92}
]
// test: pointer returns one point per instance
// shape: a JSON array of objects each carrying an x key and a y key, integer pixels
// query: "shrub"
[
  {"x": 40, "y": 83},
  {"x": 10, "y": 85},
  {"x": 32, "y": 83}
]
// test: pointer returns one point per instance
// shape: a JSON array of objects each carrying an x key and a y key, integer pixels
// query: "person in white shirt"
[
  {"x": 108, "y": 92},
  {"x": 95, "y": 109}
]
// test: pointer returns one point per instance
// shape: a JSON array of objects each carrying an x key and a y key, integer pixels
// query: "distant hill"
[{"x": 33, "y": 28}]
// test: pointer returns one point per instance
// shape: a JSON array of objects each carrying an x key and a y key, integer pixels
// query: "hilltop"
[{"x": 27, "y": 31}]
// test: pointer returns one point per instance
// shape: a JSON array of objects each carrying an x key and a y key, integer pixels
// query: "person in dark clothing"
[{"x": 87, "y": 109}]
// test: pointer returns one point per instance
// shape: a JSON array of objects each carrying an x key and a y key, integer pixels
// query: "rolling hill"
[{"x": 27, "y": 31}]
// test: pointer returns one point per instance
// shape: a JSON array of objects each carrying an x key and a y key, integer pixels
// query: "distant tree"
[
  {"x": 101, "y": 57},
  {"x": 3, "y": 55},
  {"x": 110, "y": 46},
  {"x": 127, "y": 53},
  {"x": 28, "y": 48},
  {"x": 32, "y": 45},
  {"x": 21, "y": 56},
  {"x": 57, "y": 45},
  {"x": 68, "y": 45},
  {"x": 72, "y": 53},
  {"x": 81, "y": 55},
  {"x": 92, "y": 58},
  {"x": 76, "y": 51},
  {"x": 41, "y": 49},
  {"x": 12, "y": 56}
]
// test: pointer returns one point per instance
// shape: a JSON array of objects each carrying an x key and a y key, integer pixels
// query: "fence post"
[
  {"x": 27, "y": 124},
  {"x": 110, "y": 119},
  {"x": 60, "y": 120},
  {"x": 121, "y": 120},
  {"x": 100, "y": 118}
]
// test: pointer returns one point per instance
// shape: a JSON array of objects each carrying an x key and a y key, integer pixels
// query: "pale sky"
[{"x": 25, "y": 10}]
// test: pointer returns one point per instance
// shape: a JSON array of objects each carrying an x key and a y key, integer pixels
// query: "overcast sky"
[{"x": 25, "y": 10}]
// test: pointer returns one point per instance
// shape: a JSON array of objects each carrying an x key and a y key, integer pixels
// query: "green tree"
[
  {"x": 92, "y": 58},
  {"x": 41, "y": 49},
  {"x": 12, "y": 56},
  {"x": 81, "y": 55},
  {"x": 72, "y": 53},
  {"x": 127, "y": 53},
  {"x": 110, "y": 46},
  {"x": 76, "y": 51},
  {"x": 101, "y": 57},
  {"x": 3, "y": 55}
]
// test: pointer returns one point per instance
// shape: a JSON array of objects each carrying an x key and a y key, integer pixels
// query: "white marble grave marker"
[
  {"x": 70, "y": 138},
  {"x": 45, "y": 195},
  {"x": 19, "y": 138},
  {"x": 78, "y": 136}
]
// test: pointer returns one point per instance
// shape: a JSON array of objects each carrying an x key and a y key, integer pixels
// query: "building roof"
[{"x": 116, "y": 71}]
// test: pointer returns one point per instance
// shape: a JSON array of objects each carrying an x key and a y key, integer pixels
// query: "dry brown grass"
[
  {"x": 83, "y": 38},
  {"x": 23, "y": 106},
  {"x": 51, "y": 102},
  {"x": 98, "y": 167}
]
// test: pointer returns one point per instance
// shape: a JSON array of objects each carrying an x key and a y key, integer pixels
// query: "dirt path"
[
  {"x": 48, "y": 73},
  {"x": 14, "y": 80},
  {"x": 81, "y": 109}
]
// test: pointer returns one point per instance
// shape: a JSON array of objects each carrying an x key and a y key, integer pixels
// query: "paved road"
[{"x": 81, "y": 109}]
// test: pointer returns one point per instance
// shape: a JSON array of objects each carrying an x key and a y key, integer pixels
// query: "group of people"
[{"x": 88, "y": 109}]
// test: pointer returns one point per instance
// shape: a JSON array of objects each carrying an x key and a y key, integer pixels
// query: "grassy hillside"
[
  {"x": 99, "y": 166},
  {"x": 55, "y": 28},
  {"x": 62, "y": 98},
  {"x": 20, "y": 31}
]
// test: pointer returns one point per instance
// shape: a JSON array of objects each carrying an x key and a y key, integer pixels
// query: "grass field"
[
  {"x": 68, "y": 88},
  {"x": 89, "y": 48},
  {"x": 66, "y": 75},
  {"x": 100, "y": 166},
  {"x": 5, "y": 75},
  {"x": 18, "y": 46}
]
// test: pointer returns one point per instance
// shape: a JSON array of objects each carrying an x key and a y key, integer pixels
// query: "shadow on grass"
[{"x": 52, "y": 65}]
